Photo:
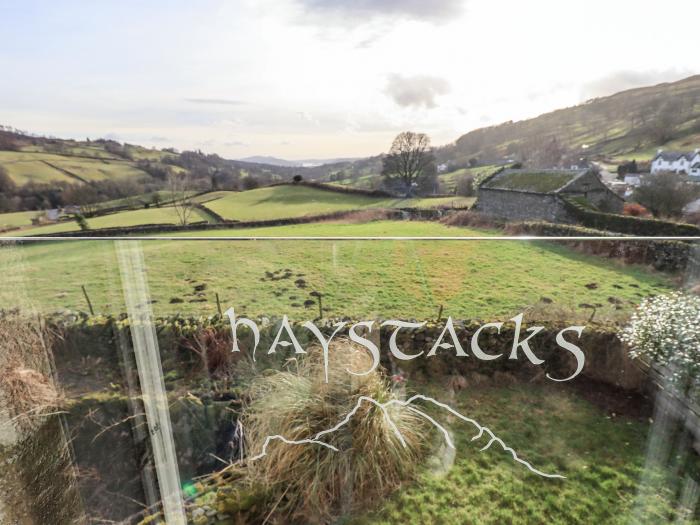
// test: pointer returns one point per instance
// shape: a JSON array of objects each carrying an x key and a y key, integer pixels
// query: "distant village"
[{"x": 552, "y": 194}]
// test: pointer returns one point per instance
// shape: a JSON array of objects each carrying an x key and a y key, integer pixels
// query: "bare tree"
[
  {"x": 667, "y": 116},
  {"x": 408, "y": 160},
  {"x": 179, "y": 186},
  {"x": 665, "y": 194}
]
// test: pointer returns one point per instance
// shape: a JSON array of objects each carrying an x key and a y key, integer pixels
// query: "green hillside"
[
  {"x": 270, "y": 203},
  {"x": 73, "y": 165},
  {"x": 278, "y": 202},
  {"x": 631, "y": 123}
]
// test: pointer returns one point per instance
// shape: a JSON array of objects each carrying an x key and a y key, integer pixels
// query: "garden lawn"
[
  {"x": 601, "y": 455},
  {"x": 407, "y": 279}
]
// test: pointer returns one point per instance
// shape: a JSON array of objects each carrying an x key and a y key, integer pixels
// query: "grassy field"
[
  {"x": 278, "y": 202},
  {"x": 602, "y": 457},
  {"x": 163, "y": 215},
  {"x": 438, "y": 202},
  {"x": 92, "y": 170},
  {"x": 17, "y": 219},
  {"x": 450, "y": 179},
  {"x": 31, "y": 167},
  {"x": 40, "y": 167},
  {"x": 357, "y": 278}
]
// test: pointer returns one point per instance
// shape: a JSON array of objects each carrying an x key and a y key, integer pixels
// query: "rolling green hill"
[
  {"x": 281, "y": 202},
  {"x": 75, "y": 163},
  {"x": 269, "y": 203},
  {"x": 278, "y": 202},
  {"x": 632, "y": 123}
]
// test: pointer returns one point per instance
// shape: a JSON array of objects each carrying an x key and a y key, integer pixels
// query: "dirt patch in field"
[{"x": 614, "y": 401}]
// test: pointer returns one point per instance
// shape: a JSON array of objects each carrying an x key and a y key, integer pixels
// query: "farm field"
[
  {"x": 278, "y": 202},
  {"x": 17, "y": 219},
  {"x": 450, "y": 179},
  {"x": 357, "y": 278},
  {"x": 31, "y": 167},
  {"x": 602, "y": 457},
  {"x": 162, "y": 215},
  {"x": 40, "y": 167},
  {"x": 252, "y": 205}
]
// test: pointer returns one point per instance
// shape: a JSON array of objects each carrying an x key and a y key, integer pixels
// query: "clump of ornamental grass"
[{"x": 310, "y": 482}]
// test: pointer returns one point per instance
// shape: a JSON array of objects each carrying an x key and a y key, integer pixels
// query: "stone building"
[{"x": 543, "y": 194}]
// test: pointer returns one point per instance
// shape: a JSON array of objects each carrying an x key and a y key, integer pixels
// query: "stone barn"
[{"x": 541, "y": 195}]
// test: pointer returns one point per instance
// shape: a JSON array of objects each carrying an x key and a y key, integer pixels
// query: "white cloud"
[
  {"x": 426, "y": 10},
  {"x": 416, "y": 90}
]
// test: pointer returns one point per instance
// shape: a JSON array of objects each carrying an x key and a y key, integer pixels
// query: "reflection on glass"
[{"x": 392, "y": 381}]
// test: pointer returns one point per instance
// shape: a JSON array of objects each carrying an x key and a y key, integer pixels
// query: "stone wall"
[{"x": 520, "y": 205}]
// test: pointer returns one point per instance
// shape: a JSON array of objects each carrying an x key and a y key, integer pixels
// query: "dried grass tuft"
[
  {"x": 311, "y": 483},
  {"x": 26, "y": 388}
]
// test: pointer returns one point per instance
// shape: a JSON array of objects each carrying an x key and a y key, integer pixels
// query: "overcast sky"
[{"x": 323, "y": 78}]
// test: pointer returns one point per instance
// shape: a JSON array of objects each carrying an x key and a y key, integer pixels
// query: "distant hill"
[
  {"x": 306, "y": 163},
  {"x": 630, "y": 123},
  {"x": 272, "y": 161}
]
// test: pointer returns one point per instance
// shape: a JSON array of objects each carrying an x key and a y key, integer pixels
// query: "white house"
[
  {"x": 694, "y": 170},
  {"x": 677, "y": 162}
]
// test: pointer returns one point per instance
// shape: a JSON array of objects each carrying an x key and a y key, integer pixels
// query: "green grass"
[
  {"x": 138, "y": 201},
  {"x": 437, "y": 202},
  {"x": 40, "y": 167},
  {"x": 479, "y": 172},
  {"x": 490, "y": 279},
  {"x": 602, "y": 458},
  {"x": 17, "y": 219},
  {"x": 279, "y": 202},
  {"x": 93, "y": 170},
  {"x": 29, "y": 167},
  {"x": 137, "y": 217},
  {"x": 530, "y": 181}
]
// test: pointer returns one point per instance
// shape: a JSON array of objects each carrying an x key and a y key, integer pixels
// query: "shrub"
[
  {"x": 213, "y": 348},
  {"x": 473, "y": 219},
  {"x": 311, "y": 482},
  {"x": 666, "y": 330},
  {"x": 693, "y": 218},
  {"x": 635, "y": 210},
  {"x": 627, "y": 224}
]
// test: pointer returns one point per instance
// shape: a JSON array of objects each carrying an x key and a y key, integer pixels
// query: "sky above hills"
[{"x": 323, "y": 78}]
